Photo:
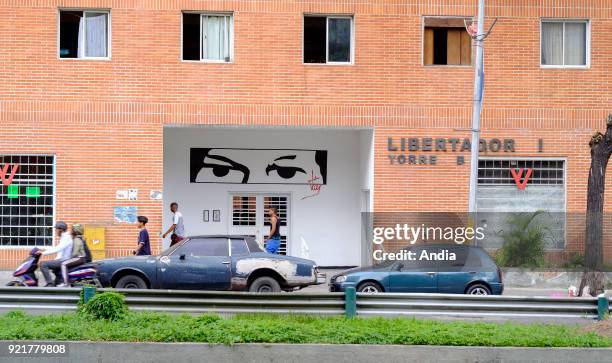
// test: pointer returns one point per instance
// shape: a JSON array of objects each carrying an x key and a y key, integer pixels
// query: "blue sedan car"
[
  {"x": 472, "y": 271},
  {"x": 219, "y": 262}
]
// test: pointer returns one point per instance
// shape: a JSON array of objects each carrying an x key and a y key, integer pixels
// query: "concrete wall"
[{"x": 350, "y": 353}]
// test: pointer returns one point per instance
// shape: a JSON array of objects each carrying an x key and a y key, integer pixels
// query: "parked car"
[
  {"x": 211, "y": 263},
  {"x": 472, "y": 272}
]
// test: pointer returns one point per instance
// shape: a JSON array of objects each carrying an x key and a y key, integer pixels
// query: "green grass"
[{"x": 208, "y": 328}]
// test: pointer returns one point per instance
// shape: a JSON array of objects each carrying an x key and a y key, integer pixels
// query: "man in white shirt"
[
  {"x": 177, "y": 228},
  {"x": 63, "y": 250}
]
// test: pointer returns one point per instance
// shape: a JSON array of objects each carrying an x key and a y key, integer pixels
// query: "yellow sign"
[
  {"x": 98, "y": 255},
  {"x": 95, "y": 237}
]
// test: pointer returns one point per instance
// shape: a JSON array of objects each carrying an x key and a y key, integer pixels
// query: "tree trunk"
[{"x": 601, "y": 149}]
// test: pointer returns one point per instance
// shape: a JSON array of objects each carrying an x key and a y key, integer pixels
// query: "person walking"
[
  {"x": 63, "y": 250},
  {"x": 144, "y": 245},
  {"x": 78, "y": 255},
  {"x": 177, "y": 228},
  {"x": 274, "y": 239}
]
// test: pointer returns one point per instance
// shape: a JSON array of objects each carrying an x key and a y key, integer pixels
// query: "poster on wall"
[
  {"x": 125, "y": 214},
  {"x": 258, "y": 166}
]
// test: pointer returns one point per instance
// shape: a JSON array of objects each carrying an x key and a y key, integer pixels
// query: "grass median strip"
[{"x": 210, "y": 328}]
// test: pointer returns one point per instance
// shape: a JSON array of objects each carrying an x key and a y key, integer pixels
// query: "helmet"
[
  {"x": 61, "y": 225},
  {"x": 77, "y": 229}
]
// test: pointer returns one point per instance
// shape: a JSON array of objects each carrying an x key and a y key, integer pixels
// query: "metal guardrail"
[{"x": 384, "y": 304}]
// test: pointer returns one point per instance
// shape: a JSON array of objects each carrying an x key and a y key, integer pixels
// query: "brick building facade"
[{"x": 105, "y": 120}]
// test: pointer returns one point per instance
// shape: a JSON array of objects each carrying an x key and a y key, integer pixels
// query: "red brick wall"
[{"x": 104, "y": 119}]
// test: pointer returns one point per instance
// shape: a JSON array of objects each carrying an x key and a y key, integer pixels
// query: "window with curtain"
[
  {"x": 83, "y": 34},
  {"x": 208, "y": 37},
  {"x": 327, "y": 39},
  {"x": 564, "y": 43}
]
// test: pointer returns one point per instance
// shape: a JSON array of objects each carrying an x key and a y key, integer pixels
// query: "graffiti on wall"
[{"x": 259, "y": 166}]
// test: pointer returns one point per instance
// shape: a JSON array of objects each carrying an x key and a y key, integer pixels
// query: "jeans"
[
  {"x": 48, "y": 266},
  {"x": 272, "y": 246},
  {"x": 69, "y": 263}
]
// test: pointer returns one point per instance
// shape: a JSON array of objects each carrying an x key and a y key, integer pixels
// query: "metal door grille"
[{"x": 544, "y": 172}]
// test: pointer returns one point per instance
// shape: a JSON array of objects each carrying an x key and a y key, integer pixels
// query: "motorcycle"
[{"x": 26, "y": 273}]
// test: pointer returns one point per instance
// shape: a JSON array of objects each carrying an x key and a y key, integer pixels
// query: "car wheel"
[
  {"x": 131, "y": 282},
  {"x": 264, "y": 284},
  {"x": 369, "y": 288},
  {"x": 478, "y": 289}
]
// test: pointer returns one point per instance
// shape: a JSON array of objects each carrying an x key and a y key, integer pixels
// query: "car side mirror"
[{"x": 182, "y": 256}]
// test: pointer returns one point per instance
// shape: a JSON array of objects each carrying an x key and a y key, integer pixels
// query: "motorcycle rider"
[
  {"x": 77, "y": 256},
  {"x": 63, "y": 250}
]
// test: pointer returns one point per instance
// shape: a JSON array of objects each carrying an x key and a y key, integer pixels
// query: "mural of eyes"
[
  {"x": 221, "y": 170},
  {"x": 285, "y": 172}
]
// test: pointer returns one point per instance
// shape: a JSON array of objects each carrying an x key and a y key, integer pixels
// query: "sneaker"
[{"x": 62, "y": 285}]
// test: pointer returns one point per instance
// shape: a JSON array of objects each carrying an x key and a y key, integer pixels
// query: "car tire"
[
  {"x": 265, "y": 284},
  {"x": 131, "y": 282},
  {"x": 478, "y": 289},
  {"x": 369, "y": 288}
]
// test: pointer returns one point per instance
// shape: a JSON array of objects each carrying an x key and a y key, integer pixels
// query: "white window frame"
[
  {"x": 352, "y": 38},
  {"x": 587, "y": 42},
  {"x": 231, "y": 36},
  {"x": 82, "y": 36},
  {"x": 53, "y": 198}
]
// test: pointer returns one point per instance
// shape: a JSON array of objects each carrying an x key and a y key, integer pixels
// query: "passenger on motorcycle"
[
  {"x": 63, "y": 250},
  {"x": 78, "y": 255}
]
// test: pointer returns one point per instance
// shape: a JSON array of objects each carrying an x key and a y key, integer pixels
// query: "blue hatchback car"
[{"x": 472, "y": 271}]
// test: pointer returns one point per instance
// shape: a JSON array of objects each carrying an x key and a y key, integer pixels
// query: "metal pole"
[{"x": 477, "y": 107}]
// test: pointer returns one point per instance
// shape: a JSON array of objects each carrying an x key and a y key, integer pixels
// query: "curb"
[{"x": 347, "y": 353}]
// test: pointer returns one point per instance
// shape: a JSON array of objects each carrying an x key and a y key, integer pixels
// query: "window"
[
  {"x": 253, "y": 245},
  {"x": 205, "y": 247},
  {"x": 564, "y": 43},
  {"x": 244, "y": 210},
  {"x": 26, "y": 203},
  {"x": 208, "y": 37},
  {"x": 84, "y": 34},
  {"x": 446, "y": 42},
  {"x": 507, "y": 187},
  {"x": 543, "y": 172},
  {"x": 328, "y": 39},
  {"x": 239, "y": 247}
]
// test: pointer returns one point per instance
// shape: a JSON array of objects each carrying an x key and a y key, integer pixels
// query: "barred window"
[
  {"x": 498, "y": 172},
  {"x": 26, "y": 200},
  {"x": 244, "y": 210}
]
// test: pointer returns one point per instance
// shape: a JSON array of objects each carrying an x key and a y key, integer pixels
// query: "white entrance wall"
[{"x": 330, "y": 222}]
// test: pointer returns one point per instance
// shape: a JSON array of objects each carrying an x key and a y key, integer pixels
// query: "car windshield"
[{"x": 171, "y": 249}]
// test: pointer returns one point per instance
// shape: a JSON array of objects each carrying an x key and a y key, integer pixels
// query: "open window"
[
  {"x": 84, "y": 34},
  {"x": 208, "y": 37},
  {"x": 446, "y": 42},
  {"x": 328, "y": 39}
]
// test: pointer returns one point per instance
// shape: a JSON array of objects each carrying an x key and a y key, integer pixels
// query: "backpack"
[{"x": 88, "y": 257}]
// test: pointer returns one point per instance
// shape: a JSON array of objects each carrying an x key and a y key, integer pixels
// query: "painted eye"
[
  {"x": 220, "y": 170},
  {"x": 287, "y": 172}
]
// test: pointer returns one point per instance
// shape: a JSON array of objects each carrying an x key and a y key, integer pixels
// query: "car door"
[
  {"x": 453, "y": 274},
  {"x": 198, "y": 264},
  {"x": 419, "y": 275}
]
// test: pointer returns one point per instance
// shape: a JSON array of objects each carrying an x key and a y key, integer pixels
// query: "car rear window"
[
  {"x": 239, "y": 247},
  {"x": 253, "y": 245}
]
